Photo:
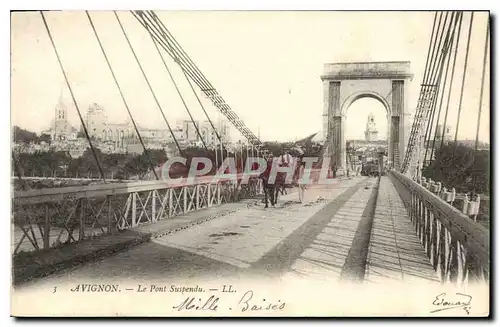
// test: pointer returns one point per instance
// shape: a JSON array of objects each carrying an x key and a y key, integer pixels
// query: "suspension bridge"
[{"x": 399, "y": 226}]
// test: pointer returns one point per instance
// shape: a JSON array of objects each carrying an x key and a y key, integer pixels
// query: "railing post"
[
  {"x": 442, "y": 251},
  {"x": 423, "y": 225},
  {"x": 412, "y": 203},
  {"x": 81, "y": 233},
  {"x": 170, "y": 201},
  {"x": 465, "y": 204},
  {"x": 209, "y": 196},
  {"x": 134, "y": 209},
  {"x": 419, "y": 218},
  {"x": 453, "y": 260},
  {"x": 444, "y": 194},
  {"x": 219, "y": 185},
  {"x": 153, "y": 206},
  {"x": 184, "y": 207},
  {"x": 476, "y": 207},
  {"x": 473, "y": 268},
  {"x": 110, "y": 214},
  {"x": 448, "y": 252},
  {"x": 428, "y": 226},
  {"x": 46, "y": 229},
  {"x": 434, "y": 243},
  {"x": 197, "y": 188},
  {"x": 417, "y": 211},
  {"x": 460, "y": 264}
]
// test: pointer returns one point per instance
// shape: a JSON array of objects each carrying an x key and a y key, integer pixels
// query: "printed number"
[{"x": 55, "y": 289}]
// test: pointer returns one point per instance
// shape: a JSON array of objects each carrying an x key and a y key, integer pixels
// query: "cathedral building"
[
  {"x": 60, "y": 129},
  {"x": 371, "y": 132}
]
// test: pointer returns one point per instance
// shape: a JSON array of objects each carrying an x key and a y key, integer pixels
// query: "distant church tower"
[
  {"x": 60, "y": 128},
  {"x": 371, "y": 132}
]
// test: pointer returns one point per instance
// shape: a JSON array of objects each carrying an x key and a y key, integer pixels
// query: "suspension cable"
[
  {"x": 485, "y": 58},
  {"x": 459, "y": 18},
  {"x": 147, "y": 80},
  {"x": 463, "y": 81},
  {"x": 453, "y": 66},
  {"x": 168, "y": 49},
  {"x": 203, "y": 108},
  {"x": 176, "y": 48},
  {"x": 157, "y": 35},
  {"x": 430, "y": 50},
  {"x": 122, "y": 96},
  {"x": 164, "y": 40},
  {"x": 435, "y": 51},
  {"x": 428, "y": 85},
  {"x": 195, "y": 74},
  {"x": 430, "y": 81},
  {"x": 180, "y": 60},
  {"x": 164, "y": 117},
  {"x": 448, "y": 44},
  {"x": 209, "y": 120},
  {"x": 178, "y": 92},
  {"x": 436, "y": 82},
  {"x": 73, "y": 98}
]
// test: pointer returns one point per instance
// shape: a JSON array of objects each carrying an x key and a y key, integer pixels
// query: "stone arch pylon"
[{"x": 344, "y": 83}]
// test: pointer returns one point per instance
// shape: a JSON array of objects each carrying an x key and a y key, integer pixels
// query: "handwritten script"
[
  {"x": 445, "y": 301},
  {"x": 247, "y": 302}
]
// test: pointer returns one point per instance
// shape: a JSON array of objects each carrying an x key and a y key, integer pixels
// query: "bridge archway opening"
[
  {"x": 366, "y": 131},
  {"x": 357, "y": 116},
  {"x": 344, "y": 84}
]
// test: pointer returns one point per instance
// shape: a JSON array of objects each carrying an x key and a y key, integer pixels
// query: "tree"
[
  {"x": 45, "y": 138},
  {"x": 461, "y": 167},
  {"x": 24, "y": 136}
]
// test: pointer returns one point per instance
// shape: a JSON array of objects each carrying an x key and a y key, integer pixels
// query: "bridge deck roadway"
[
  {"x": 310, "y": 240},
  {"x": 395, "y": 252}
]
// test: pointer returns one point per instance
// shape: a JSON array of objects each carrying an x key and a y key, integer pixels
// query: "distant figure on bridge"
[
  {"x": 284, "y": 160},
  {"x": 299, "y": 175},
  {"x": 270, "y": 192}
]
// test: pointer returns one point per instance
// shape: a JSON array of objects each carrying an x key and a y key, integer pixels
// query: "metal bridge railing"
[
  {"x": 470, "y": 207},
  {"x": 46, "y": 218},
  {"x": 457, "y": 247}
]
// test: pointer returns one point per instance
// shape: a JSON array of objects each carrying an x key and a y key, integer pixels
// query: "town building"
[
  {"x": 113, "y": 137},
  {"x": 206, "y": 130},
  {"x": 439, "y": 133},
  {"x": 371, "y": 132}
]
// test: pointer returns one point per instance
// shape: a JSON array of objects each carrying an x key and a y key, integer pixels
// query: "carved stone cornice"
[{"x": 367, "y": 70}]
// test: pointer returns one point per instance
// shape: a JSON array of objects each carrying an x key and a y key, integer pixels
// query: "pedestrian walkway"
[
  {"x": 326, "y": 254},
  {"x": 395, "y": 252},
  {"x": 243, "y": 238}
]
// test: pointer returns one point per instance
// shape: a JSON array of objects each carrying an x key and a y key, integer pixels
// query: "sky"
[{"x": 266, "y": 65}]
